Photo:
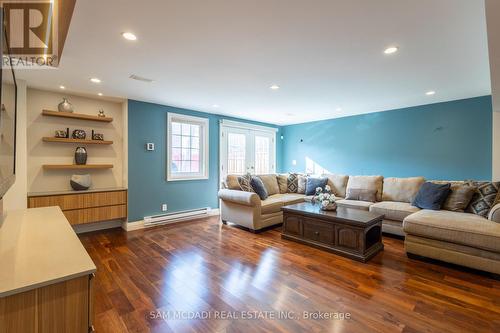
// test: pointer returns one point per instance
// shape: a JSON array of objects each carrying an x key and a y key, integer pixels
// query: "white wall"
[
  {"x": 39, "y": 152},
  {"x": 16, "y": 196},
  {"x": 493, "y": 26}
]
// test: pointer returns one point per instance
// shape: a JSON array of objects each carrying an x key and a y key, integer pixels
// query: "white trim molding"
[
  {"x": 237, "y": 124},
  {"x": 204, "y": 124}
]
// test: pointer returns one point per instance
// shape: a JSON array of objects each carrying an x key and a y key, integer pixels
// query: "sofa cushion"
[
  {"x": 454, "y": 227},
  {"x": 484, "y": 198},
  {"x": 361, "y": 194},
  {"x": 356, "y": 204},
  {"x": 271, "y": 183},
  {"x": 301, "y": 184},
  {"x": 292, "y": 198},
  {"x": 283, "y": 182},
  {"x": 459, "y": 198},
  {"x": 337, "y": 183},
  {"x": 431, "y": 196},
  {"x": 259, "y": 188},
  {"x": 232, "y": 183},
  {"x": 292, "y": 183},
  {"x": 272, "y": 204},
  {"x": 401, "y": 189},
  {"x": 393, "y": 210},
  {"x": 367, "y": 183},
  {"x": 313, "y": 182},
  {"x": 244, "y": 182}
]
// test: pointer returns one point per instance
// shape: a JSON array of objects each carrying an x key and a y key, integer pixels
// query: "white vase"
[
  {"x": 330, "y": 206},
  {"x": 65, "y": 106}
]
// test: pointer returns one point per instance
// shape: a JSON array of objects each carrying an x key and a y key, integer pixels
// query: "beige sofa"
[{"x": 460, "y": 238}]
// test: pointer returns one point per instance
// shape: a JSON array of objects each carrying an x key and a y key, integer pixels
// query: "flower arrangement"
[{"x": 326, "y": 198}]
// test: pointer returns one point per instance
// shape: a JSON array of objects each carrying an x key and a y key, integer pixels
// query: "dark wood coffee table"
[{"x": 348, "y": 232}]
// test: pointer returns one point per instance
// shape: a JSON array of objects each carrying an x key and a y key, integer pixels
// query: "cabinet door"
[{"x": 292, "y": 225}]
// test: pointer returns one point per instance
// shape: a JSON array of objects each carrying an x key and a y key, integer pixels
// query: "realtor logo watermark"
[{"x": 31, "y": 30}]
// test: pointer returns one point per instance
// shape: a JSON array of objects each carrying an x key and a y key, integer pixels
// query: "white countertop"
[{"x": 38, "y": 247}]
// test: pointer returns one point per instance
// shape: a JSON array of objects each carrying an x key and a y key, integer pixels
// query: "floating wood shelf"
[
  {"x": 76, "y": 116},
  {"x": 76, "y": 166},
  {"x": 69, "y": 140}
]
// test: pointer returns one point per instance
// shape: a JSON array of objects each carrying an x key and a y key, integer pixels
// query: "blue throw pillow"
[
  {"x": 431, "y": 196},
  {"x": 313, "y": 183},
  {"x": 259, "y": 188}
]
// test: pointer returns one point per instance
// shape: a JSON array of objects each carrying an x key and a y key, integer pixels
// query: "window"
[{"x": 187, "y": 156}]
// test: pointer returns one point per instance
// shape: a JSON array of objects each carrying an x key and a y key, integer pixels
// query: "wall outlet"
[
  {"x": 164, "y": 207},
  {"x": 150, "y": 146}
]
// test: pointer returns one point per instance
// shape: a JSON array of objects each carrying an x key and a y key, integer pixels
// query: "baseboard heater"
[{"x": 175, "y": 217}]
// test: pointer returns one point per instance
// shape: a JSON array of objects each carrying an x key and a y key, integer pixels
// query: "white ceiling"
[{"x": 324, "y": 54}]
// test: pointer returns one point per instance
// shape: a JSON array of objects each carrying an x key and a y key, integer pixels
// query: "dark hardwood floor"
[{"x": 203, "y": 268}]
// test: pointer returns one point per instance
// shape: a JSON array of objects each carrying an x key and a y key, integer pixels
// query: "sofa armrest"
[
  {"x": 240, "y": 197},
  {"x": 494, "y": 214}
]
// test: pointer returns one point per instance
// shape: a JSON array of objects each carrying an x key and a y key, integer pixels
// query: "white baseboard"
[
  {"x": 82, "y": 228},
  {"x": 137, "y": 225}
]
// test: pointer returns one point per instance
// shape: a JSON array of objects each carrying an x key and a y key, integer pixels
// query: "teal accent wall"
[
  {"x": 148, "y": 187},
  {"x": 450, "y": 140}
]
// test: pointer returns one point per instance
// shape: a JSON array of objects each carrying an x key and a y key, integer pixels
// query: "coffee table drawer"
[{"x": 318, "y": 232}]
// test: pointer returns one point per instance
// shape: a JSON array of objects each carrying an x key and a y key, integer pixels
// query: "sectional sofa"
[{"x": 461, "y": 238}]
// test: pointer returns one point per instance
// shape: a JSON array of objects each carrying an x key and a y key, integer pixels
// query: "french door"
[{"x": 247, "y": 149}]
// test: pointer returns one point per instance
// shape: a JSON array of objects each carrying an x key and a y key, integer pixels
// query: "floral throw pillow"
[
  {"x": 244, "y": 182},
  {"x": 484, "y": 197}
]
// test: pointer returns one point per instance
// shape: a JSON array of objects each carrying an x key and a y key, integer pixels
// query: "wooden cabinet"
[
  {"x": 46, "y": 276},
  {"x": 85, "y": 207}
]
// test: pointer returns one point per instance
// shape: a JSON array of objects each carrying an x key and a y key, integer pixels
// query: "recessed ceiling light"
[
  {"x": 274, "y": 87},
  {"x": 62, "y": 87},
  {"x": 391, "y": 50},
  {"x": 338, "y": 109},
  {"x": 95, "y": 80},
  {"x": 100, "y": 94},
  {"x": 215, "y": 105},
  {"x": 129, "y": 36},
  {"x": 430, "y": 93}
]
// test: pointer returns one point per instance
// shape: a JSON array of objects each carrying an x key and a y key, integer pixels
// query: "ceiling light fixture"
[
  {"x": 391, "y": 50},
  {"x": 338, "y": 109},
  {"x": 129, "y": 36},
  {"x": 95, "y": 80},
  {"x": 100, "y": 94},
  {"x": 62, "y": 87},
  {"x": 215, "y": 105},
  {"x": 274, "y": 87},
  {"x": 430, "y": 93}
]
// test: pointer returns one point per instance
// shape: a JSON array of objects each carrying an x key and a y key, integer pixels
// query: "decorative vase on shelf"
[
  {"x": 80, "y": 182},
  {"x": 81, "y": 156},
  {"x": 65, "y": 106}
]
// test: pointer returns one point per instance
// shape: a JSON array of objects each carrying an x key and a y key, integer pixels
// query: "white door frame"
[{"x": 227, "y": 125}]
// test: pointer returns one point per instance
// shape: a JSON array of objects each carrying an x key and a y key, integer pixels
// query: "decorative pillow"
[
  {"x": 292, "y": 183},
  {"x": 401, "y": 189},
  {"x": 271, "y": 183},
  {"x": 259, "y": 188},
  {"x": 301, "y": 184},
  {"x": 484, "y": 197},
  {"x": 368, "y": 183},
  {"x": 361, "y": 194},
  {"x": 313, "y": 183},
  {"x": 244, "y": 182},
  {"x": 283, "y": 182},
  {"x": 459, "y": 198},
  {"x": 337, "y": 183},
  {"x": 431, "y": 196}
]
